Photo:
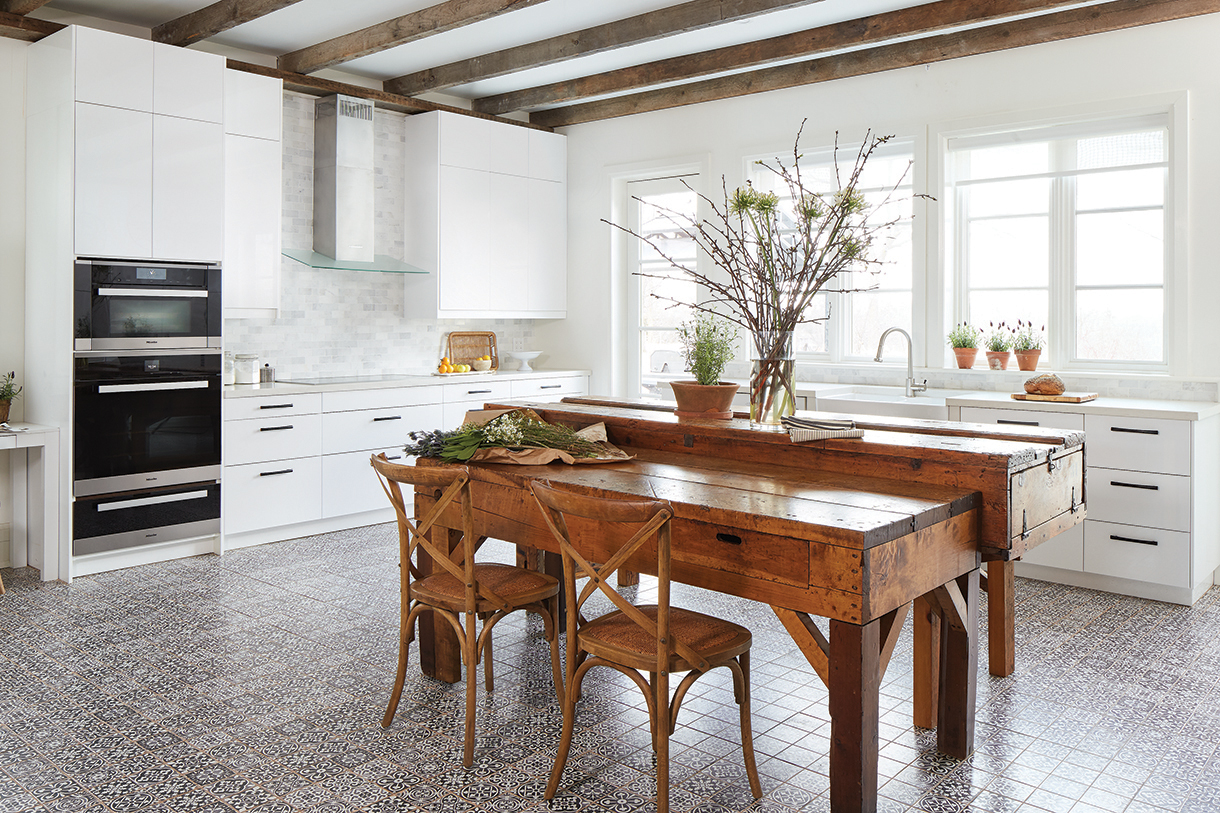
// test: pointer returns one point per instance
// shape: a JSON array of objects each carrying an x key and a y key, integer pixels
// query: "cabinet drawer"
[
  {"x": 1065, "y": 551},
  {"x": 1143, "y": 554},
  {"x": 1024, "y": 417},
  {"x": 349, "y": 484},
  {"x": 1139, "y": 498},
  {"x": 236, "y": 409},
  {"x": 375, "y": 428},
  {"x": 379, "y": 399},
  {"x": 275, "y": 438},
  {"x": 543, "y": 387},
  {"x": 478, "y": 391},
  {"x": 1145, "y": 444},
  {"x": 268, "y": 495}
]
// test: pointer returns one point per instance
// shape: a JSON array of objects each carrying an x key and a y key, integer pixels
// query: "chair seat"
[
  {"x": 615, "y": 637},
  {"x": 516, "y": 585}
]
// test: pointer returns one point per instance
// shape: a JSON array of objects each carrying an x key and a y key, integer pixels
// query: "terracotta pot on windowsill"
[
  {"x": 1027, "y": 359},
  {"x": 997, "y": 361},
  {"x": 4, "y": 407},
  {"x": 697, "y": 400},
  {"x": 965, "y": 357}
]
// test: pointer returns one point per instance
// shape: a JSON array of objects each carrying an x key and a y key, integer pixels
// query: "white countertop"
[
  {"x": 1119, "y": 407},
  {"x": 341, "y": 384}
]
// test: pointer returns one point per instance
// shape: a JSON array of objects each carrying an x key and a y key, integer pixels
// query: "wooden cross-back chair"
[
  {"x": 655, "y": 639},
  {"x": 459, "y": 589}
]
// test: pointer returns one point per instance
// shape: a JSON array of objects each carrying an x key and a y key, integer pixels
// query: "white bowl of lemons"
[{"x": 481, "y": 365}]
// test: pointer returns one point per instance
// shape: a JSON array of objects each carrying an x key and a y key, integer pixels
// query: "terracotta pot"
[
  {"x": 965, "y": 357},
  {"x": 1027, "y": 359},
  {"x": 697, "y": 400},
  {"x": 4, "y": 405},
  {"x": 997, "y": 361}
]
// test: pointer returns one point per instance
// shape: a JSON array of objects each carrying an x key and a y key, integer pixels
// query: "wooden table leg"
[
  {"x": 1001, "y": 629},
  {"x": 926, "y": 627},
  {"x": 959, "y": 671},
  {"x": 440, "y": 652},
  {"x": 855, "y": 694}
]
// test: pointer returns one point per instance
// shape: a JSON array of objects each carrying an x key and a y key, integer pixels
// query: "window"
[
  {"x": 658, "y": 209},
  {"x": 852, "y": 322},
  {"x": 1066, "y": 226}
]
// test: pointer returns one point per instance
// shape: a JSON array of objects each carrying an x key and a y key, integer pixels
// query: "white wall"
[{"x": 1167, "y": 58}]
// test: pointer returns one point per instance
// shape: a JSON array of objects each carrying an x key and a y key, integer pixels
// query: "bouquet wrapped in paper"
[{"x": 517, "y": 436}]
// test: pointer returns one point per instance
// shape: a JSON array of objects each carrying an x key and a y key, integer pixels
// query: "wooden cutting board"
[{"x": 1065, "y": 397}]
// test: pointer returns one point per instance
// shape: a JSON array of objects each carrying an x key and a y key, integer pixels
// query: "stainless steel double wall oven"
[{"x": 147, "y": 390}]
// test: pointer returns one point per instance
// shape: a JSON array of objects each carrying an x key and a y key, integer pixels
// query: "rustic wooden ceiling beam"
[
  {"x": 20, "y": 27},
  {"x": 21, "y": 6},
  {"x": 316, "y": 86},
  {"x": 211, "y": 20},
  {"x": 1112, "y": 16},
  {"x": 654, "y": 25},
  {"x": 399, "y": 31},
  {"x": 916, "y": 21}
]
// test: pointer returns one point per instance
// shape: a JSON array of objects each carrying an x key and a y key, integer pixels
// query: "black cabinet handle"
[
  {"x": 1135, "y": 431},
  {"x": 276, "y": 406},
  {"x": 549, "y": 386},
  {"x": 1135, "y": 485},
  {"x": 1018, "y": 423},
  {"x": 275, "y": 428},
  {"x": 1118, "y": 538},
  {"x": 394, "y": 457},
  {"x": 477, "y": 392},
  {"x": 273, "y": 473},
  {"x": 388, "y": 418}
]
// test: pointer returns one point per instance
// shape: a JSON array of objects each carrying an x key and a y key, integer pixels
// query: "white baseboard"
[
  {"x": 1110, "y": 584},
  {"x": 321, "y": 526}
]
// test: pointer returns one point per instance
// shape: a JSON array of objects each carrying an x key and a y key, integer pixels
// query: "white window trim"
[{"x": 941, "y": 309}]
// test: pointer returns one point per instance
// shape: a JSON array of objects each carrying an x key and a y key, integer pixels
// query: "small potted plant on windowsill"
[
  {"x": 1027, "y": 345},
  {"x": 8, "y": 391},
  {"x": 707, "y": 346},
  {"x": 998, "y": 342},
  {"x": 964, "y": 339}
]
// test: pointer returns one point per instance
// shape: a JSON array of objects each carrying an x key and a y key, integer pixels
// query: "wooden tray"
[
  {"x": 1066, "y": 397},
  {"x": 463, "y": 348}
]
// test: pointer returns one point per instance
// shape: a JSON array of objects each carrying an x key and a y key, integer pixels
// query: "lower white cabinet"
[
  {"x": 272, "y": 493},
  {"x": 350, "y": 484},
  {"x": 549, "y": 390},
  {"x": 472, "y": 394}
]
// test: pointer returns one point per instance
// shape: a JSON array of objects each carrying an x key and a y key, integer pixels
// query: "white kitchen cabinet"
[
  {"x": 491, "y": 235},
  {"x": 252, "y": 194},
  {"x": 271, "y": 494},
  {"x": 473, "y": 393},
  {"x": 113, "y": 183},
  {"x": 113, "y": 70},
  {"x": 253, "y": 105},
  {"x": 188, "y": 194},
  {"x": 550, "y": 389},
  {"x": 188, "y": 84}
]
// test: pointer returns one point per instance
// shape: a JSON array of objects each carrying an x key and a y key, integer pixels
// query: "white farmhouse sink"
[{"x": 892, "y": 401}]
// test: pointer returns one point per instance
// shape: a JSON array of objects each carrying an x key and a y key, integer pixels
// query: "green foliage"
[
  {"x": 1026, "y": 338},
  {"x": 8, "y": 388},
  {"x": 964, "y": 335},
  {"x": 707, "y": 346},
  {"x": 999, "y": 339},
  {"x": 512, "y": 430}
]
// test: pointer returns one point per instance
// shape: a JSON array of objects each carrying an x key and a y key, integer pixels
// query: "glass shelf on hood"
[{"x": 381, "y": 263}]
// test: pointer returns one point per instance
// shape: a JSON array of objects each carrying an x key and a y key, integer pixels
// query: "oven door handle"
[
  {"x": 140, "y": 502},
  {"x": 157, "y": 387},
  {"x": 192, "y": 293}
]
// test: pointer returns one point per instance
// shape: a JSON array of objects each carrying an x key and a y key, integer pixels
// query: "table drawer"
[
  {"x": 478, "y": 390},
  {"x": 275, "y": 438},
  {"x": 1023, "y": 417},
  {"x": 376, "y": 428},
  {"x": 1144, "y": 444},
  {"x": 267, "y": 495},
  {"x": 550, "y": 387},
  {"x": 236, "y": 409},
  {"x": 343, "y": 401},
  {"x": 1065, "y": 551},
  {"x": 1139, "y": 498},
  {"x": 1143, "y": 554},
  {"x": 349, "y": 484}
]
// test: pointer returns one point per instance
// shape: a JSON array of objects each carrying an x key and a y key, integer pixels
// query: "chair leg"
[
  {"x": 747, "y": 734},
  {"x": 488, "y": 677},
  {"x": 661, "y": 727},
  {"x": 565, "y": 737},
  {"x": 552, "y": 620},
  {"x": 405, "y": 637},
  {"x": 469, "y": 655}
]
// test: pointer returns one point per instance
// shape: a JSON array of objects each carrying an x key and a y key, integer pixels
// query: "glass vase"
[{"x": 772, "y": 380}]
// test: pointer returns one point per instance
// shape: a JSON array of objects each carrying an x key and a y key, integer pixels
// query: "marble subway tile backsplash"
[{"x": 334, "y": 323}]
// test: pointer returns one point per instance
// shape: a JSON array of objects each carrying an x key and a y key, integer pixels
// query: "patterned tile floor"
[{"x": 256, "y": 682}]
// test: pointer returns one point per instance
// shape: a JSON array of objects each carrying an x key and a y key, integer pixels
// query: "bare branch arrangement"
[{"x": 772, "y": 261}]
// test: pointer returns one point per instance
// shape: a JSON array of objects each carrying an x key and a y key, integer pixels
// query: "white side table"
[{"x": 34, "y": 461}]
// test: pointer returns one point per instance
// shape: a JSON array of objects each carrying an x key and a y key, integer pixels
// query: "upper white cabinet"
[
  {"x": 253, "y": 172},
  {"x": 114, "y": 70},
  {"x": 486, "y": 217},
  {"x": 188, "y": 189},
  {"x": 114, "y": 170},
  {"x": 188, "y": 84}
]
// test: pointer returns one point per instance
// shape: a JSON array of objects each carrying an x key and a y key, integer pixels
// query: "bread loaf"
[{"x": 1047, "y": 384}]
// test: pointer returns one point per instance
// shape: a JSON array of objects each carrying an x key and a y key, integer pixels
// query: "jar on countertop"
[
  {"x": 245, "y": 368},
  {"x": 227, "y": 378}
]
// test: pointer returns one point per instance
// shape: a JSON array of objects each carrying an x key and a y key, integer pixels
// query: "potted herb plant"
[
  {"x": 998, "y": 342},
  {"x": 707, "y": 346},
  {"x": 964, "y": 339},
  {"x": 8, "y": 391},
  {"x": 1027, "y": 345}
]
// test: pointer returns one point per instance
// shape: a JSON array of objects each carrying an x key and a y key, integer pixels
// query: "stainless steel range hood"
[{"x": 343, "y": 188}]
